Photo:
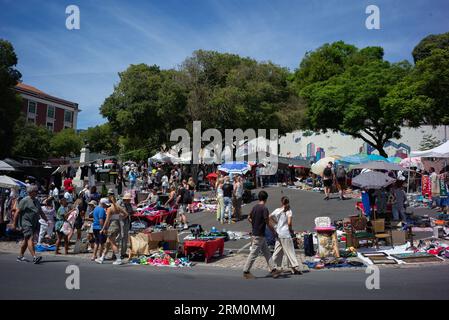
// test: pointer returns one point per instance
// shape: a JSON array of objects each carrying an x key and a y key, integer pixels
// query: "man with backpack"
[
  {"x": 341, "y": 181},
  {"x": 328, "y": 179}
]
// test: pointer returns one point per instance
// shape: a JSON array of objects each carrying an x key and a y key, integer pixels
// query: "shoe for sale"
[
  {"x": 99, "y": 260},
  {"x": 186, "y": 226},
  {"x": 36, "y": 260},
  {"x": 21, "y": 259},
  {"x": 248, "y": 275}
]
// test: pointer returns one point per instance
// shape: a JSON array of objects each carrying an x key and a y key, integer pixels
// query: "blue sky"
[{"x": 82, "y": 65}]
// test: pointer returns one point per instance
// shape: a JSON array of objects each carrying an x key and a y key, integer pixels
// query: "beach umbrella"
[
  {"x": 376, "y": 157},
  {"x": 319, "y": 166},
  {"x": 6, "y": 167},
  {"x": 394, "y": 159},
  {"x": 411, "y": 162},
  {"x": 372, "y": 180},
  {"x": 235, "y": 167},
  {"x": 8, "y": 182},
  {"x": 378, "y": 165}
]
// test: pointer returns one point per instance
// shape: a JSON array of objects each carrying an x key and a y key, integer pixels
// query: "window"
[
  {"x": 68, "y": 116},
  {"x": 50, "y": 126},
  {"x": 51, "y": 112},
  {"x": 32, "y": 107}
]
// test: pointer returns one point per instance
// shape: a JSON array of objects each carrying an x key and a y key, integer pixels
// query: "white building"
[{"x": 309, "y": 144}]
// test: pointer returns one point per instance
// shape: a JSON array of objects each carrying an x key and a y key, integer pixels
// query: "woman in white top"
[
  {"x": 47, "y": 226},
  {"x": 281, "y": 219},
  {"x": 220, "y": 199},
  {"x": 165, "y": 183}
]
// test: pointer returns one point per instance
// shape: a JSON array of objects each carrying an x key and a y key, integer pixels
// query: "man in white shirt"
[{"x": 281, "y": 218}]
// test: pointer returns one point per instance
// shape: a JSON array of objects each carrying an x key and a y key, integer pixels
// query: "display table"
[
  {"x": 160, "y": 216},
  {"x": 209, "y": 247}
]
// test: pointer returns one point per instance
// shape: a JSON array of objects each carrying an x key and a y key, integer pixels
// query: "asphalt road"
[
  {"x": 306, "y": 206},
  {"x": 20, "y": 280}
]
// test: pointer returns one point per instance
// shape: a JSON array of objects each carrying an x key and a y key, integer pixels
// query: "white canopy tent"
[{"x": 441, "y": 151}]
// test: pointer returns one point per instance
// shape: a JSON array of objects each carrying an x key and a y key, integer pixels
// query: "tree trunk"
[{"x": 381, "y": 150}]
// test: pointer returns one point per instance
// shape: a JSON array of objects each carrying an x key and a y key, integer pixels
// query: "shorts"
[
  {"x": 29, "y": 231},
  {"x": 78, "y": 223},
  {"x": 342, "y": 183},
  {"x": 327, "y": 183},
  {"x": 114, "y": 229},
  {"x": 183, "y": 208},
  {"x": 29, "y": 227},
  {"x": 99, "y": 237}
]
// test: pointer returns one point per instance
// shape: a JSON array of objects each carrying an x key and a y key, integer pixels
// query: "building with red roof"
[{"x": 46, "y": 110}]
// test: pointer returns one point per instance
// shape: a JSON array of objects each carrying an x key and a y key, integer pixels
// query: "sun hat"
[
  {"x": 93, "y": 202},
  {"x": 127, "y": 196},
  {"x": 110, "y": 191},
  {"x": 105, "y": 201}
]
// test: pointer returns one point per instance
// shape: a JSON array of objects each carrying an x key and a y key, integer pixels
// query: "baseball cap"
[
  {"x": 110, "y": 191},
  {"x": 105, "y": 201}
]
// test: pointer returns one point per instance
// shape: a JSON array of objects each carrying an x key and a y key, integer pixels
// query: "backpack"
[
  {"x": 341, "y": 173},
  {"x": 327, "y": 172}
]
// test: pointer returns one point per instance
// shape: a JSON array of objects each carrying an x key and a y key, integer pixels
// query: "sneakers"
[
  {"x": 296, "y": 271},
  {"x": 117, "y": 262},
  {"x": 36, "y": 260},
  {"x": 99, "y": 260},
  {"x": 21, "y": 259},
  {"x": 186, "y": 226},
  {"x": 248, "y": 275}
]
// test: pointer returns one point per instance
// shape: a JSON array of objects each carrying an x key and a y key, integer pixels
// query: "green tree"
[
  {"x": 31, "y": 140},
  {"x": 226, "y": 91},
  {"x": 10, "y": 101},
  {"x": 429, "y": 142},
  {"x": 424, "y": 93},
  {"x": 66, "y": 143},
  {"x": 352, "y": 97},
  {"x": 102, "y": 139},
  {"x": 146, "y": 105},
  {"x": 425, "y": 47}
]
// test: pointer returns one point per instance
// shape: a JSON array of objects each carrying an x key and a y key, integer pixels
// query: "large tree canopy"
[
  {"x": 9, "y": 100},
  {"x": 425, "y": 92},
  {"x": 348, "y": 91},
  {"x": 31, "y": 140},
  {"x": 66, "y": 143},
  {"x": 102, "y": 138},
  {"x": 145, "y": 106},
  {"x": 425, "y": 47},
  {"x": 224, "y": 91},
  {"x": 227, "y": 91}
]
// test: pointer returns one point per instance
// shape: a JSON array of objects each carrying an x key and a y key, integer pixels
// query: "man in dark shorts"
[
  {"x": 328, "y": 179},
  {"x": 341, "y": 181},
  {"x": 259, "y": 219},
  {"x": 29, "y": 211},
  {"x": 99, "y": 216}
]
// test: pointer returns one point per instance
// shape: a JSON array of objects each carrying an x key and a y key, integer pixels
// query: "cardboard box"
[
  {"x": 399, "y": 237},
  {"x": 153, "y": 245},
  {"x": 170, "y": 235},
  {"x": 156, "y": 236}
]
